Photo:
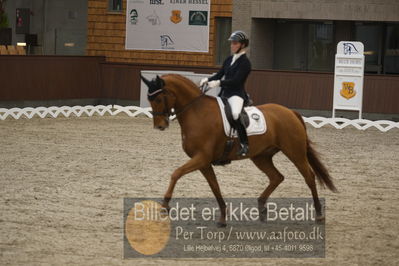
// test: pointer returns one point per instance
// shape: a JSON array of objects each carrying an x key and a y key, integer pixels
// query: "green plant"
[{"x": 4, "y": 23}]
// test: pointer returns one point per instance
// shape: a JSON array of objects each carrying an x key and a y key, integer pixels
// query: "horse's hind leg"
[
  {"x": 265, "y": 164},
  {"x": 213, "y": 183}
]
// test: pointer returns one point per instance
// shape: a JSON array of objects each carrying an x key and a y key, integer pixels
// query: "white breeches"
[{"x": 236, "y": 103}]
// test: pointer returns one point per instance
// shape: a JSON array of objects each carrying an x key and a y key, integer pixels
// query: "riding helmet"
[{"x": 239, "y": 36}]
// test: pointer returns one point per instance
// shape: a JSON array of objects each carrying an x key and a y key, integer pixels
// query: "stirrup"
[{"x": 244, "y": 150}]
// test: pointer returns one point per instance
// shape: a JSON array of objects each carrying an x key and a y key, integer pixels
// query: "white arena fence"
[{"x": 133, "y": 111}]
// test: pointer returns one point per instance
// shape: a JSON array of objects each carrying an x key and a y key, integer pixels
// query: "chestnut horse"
[{"x": 204, "y": 140}]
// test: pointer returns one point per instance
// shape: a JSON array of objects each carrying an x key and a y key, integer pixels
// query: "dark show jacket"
[{"x": 235, "y": 76}]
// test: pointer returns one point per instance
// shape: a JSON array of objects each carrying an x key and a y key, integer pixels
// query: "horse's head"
[{"x": 161, "y": 100}]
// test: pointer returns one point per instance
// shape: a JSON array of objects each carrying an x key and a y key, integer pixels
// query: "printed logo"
[
  {"x": 349, "y": 49},
  {"x": 255, "y": 117},
  {"x": 176, "y": 16},
  {"x": 133, "y": 16},
  {"x": 156, "y": 2},
  {"x": 154, "y": 19},
  {"x": 348, "y": 90},
  {"x": 166, "y": 42},
  {"x": 198, "y": 18}
]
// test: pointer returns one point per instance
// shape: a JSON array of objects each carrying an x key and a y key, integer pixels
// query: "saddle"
[
  {"x": 229, "y": 115},
  {"x": 230, "y": 141}
]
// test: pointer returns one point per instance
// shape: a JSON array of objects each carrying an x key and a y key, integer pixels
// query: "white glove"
[
  {"x": 214, "y": 84},
  {"x": 203, "y": 81}
]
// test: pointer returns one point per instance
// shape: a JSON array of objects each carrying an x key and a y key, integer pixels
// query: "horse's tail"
[{"x": 314, "y": 159}]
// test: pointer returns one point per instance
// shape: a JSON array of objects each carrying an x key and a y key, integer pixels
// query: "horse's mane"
[{"x": 183, "y": 79}]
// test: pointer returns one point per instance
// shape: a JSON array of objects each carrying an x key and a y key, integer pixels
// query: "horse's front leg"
[
  {"x": 213, "y": 183},
  {"x": 197, "y": 162}
]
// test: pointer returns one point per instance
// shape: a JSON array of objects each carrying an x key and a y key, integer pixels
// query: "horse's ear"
[
  {"x": 159, "y": 82},
  {"x": 146, "y": 81}
]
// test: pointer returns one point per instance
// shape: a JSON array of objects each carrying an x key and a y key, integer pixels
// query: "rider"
[{"x": 235, "y": 71}]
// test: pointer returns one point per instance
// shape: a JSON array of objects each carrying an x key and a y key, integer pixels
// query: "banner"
[
  {"x": 172, "y": 25},
  {"x": 348, "y": 77},
  {"x": 22, "y": 23}
]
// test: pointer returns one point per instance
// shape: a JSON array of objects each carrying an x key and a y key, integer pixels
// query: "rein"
[{"x": 182, "y": 110}]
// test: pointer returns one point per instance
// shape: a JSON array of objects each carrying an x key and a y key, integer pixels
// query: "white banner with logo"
[
  {"x": 174, "y": 25},
  {"x": 348, "y": 78}
]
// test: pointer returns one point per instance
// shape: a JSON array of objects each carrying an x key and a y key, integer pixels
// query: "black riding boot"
[{"x": 242, "y": 135}]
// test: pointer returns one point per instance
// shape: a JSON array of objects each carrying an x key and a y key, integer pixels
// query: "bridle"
[{"x": 167, "y": 111}]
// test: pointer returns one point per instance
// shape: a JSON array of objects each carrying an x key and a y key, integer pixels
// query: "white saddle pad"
[{"x": 257, "y": 122}]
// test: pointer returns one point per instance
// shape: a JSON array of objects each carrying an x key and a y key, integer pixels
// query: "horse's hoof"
[
  {"x": 166, "y": 207},
  {"x": 221, "y": 225},
  {"x": 320, "y": 219},
  {"x": 262, "y": 215}
]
